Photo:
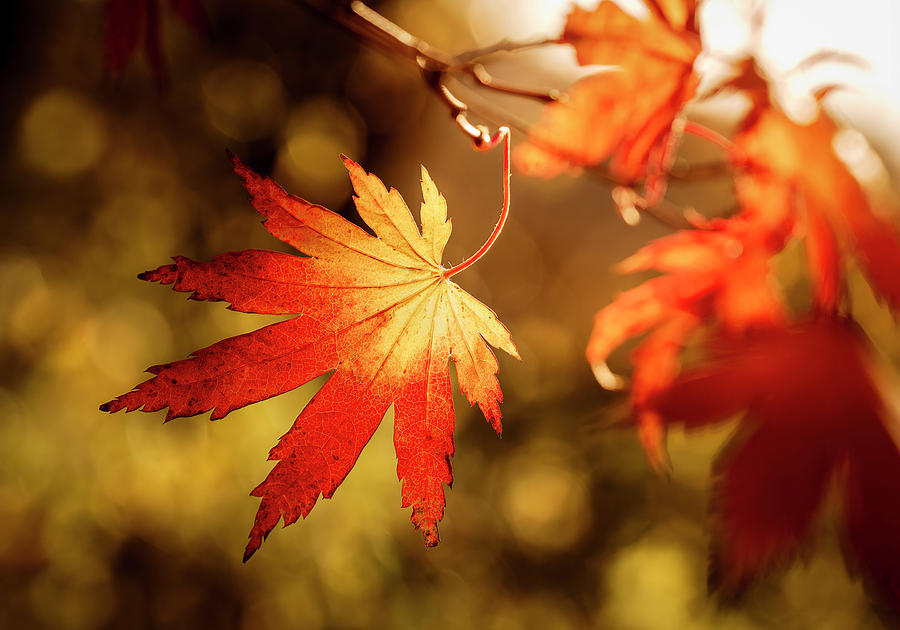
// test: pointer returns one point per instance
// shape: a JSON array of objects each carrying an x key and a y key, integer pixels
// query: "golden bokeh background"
[{"x": 119, "y": 521}]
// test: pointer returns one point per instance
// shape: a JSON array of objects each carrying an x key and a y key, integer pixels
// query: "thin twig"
[
  {"x": 668, "y": 214},
  {"x": 437, "y": 66},
  {"x": 479, "y": 134},
  {"x": 656, "y": 181},
  {"x": 708, "y": 134},
  {"x": 504, "y": 45},
  {"x": 434, "y": 64},
  {"x": 699, "y": 172},
  {"x": 485, "y": 78},
  {"x": 829, "y": 56}
]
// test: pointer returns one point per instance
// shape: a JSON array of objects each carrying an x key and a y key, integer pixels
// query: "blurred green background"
[{"x": 116, "y": 521}]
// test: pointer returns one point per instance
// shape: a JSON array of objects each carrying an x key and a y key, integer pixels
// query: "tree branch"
[
  {"x": 434, "y": 64},
  {"x": 437, "y": 66}
]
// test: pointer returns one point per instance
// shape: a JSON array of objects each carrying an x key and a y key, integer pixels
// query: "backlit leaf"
[
  {"x": 812, "y": 414},
  {"x": 619, "y": 115},
  {"x": 377, "y": 311}
]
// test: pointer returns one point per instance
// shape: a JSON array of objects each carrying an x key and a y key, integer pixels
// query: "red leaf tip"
[
  {"x": 350, "y": 164},
  {"x": 430, "y": 534},
  {"x": 235, "y": 160},
  {"x": 166, "y": 274}
]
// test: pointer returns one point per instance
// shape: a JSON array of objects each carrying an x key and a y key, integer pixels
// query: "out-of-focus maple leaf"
[
  {"x": 378, "y": 311},
  {"x": 128, "y": 22},
  {"x": 831, "y": 205},
  {"x": 621, "y": 115},
  {"x": 812, "y": 414},
  {"x": 717, "y": 274}
]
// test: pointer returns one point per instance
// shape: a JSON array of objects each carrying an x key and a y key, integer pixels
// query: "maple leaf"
[
  {"x": 128, "y": 22},
  {"x": 379, "y": 311},
  {"x": 812, "y": 415},
  {"x": 831, "y": 205},
  {"x": 716, "y": 274},
  {"x": 624, "y": 114}
]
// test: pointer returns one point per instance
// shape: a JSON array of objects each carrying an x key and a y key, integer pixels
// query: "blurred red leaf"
[
  {"x": 130, "y": 22},
  {"x": 812, "y": 414},
  {"x": 622, "y": 114},
  {"x": 831, "y": 205},
  {"x": 378, "y": 311},
  {"x": 717, "y": 274}
]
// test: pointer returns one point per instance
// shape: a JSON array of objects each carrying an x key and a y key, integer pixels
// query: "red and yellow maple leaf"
[
  {"x": 717, "y": 274},
  {"x": 129, "y": 22},
  {"x": 624, "y": 114},
  {"x": 379, "y": 311},
  {"x": 812, "y": 415},
  {"x": 832, "y": 206}
]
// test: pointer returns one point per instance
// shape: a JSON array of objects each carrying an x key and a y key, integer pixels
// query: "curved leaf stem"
[
  {"x": 709, "y": 135},
  {"x": 502, "y": 134}
]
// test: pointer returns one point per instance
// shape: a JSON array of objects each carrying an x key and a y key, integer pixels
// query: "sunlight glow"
[
  {"x": 855, "y": 151},
  {"x": 868, "y": 97}
]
